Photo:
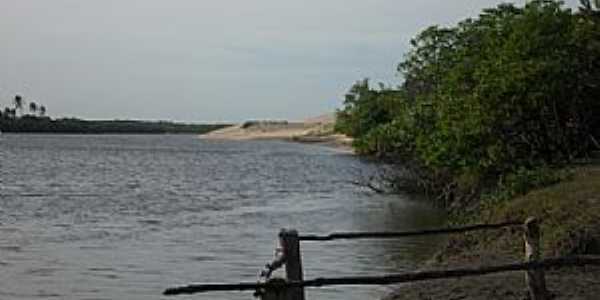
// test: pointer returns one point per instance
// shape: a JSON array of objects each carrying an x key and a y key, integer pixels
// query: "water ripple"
[{"x": 124, "y": 216}]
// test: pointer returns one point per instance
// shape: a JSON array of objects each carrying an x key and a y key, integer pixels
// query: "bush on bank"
[{"x": 488, "y": 101}]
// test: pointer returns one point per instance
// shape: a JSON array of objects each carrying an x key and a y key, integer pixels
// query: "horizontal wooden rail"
[
  {"x": 455, "y": 273},
  {"x": 390, "y": 279},
  {"x": 387, "y": 235}
]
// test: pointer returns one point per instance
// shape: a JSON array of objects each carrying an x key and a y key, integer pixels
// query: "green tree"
[
  {"x": 514, "y": 88},
  {"x": 365, "y": 108}
]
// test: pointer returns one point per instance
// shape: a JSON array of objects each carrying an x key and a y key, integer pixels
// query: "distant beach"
[{"x": 318, "y": 130}]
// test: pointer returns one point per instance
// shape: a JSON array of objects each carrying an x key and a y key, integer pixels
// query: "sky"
[{"x": 207, "y": 61}]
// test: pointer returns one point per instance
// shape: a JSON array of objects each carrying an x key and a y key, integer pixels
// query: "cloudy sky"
[{"x": 200, "y": 60}]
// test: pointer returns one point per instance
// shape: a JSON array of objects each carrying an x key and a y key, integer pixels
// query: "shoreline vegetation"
[
  {"x": 496, "y": 120},
  {"x": 16, "y": 120},
  {"x": 34, "y": 124}
]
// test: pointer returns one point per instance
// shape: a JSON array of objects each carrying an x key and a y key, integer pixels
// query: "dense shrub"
[{"x": 514, "y": 89}]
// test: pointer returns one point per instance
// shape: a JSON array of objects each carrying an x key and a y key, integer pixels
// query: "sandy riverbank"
[{"x": 317, "y": 130}]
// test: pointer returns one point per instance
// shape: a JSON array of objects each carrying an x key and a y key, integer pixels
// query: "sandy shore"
[{"x": 317, "y": 130}]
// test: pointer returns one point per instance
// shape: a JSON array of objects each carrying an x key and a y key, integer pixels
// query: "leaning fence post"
[
  {"x": 535, "y": 278},
  {"x": 293, "y": 262}
]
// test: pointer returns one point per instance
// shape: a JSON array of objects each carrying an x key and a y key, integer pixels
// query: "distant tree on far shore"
[
  {"x": 36, "y": 121},
  {"x": 18, "y": 102},
  {"x": 33, "y": 108},
  {"x": 8, "y": 113}
]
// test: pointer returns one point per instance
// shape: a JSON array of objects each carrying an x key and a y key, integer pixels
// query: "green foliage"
[
  {"x": 513, "y": 90},
  {"x": 365, "y": 108}
]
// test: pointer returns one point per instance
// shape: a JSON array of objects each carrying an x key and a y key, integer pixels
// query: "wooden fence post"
[
  {"x": 536, "y": 278},
  {"x": 293, "y": 261}
]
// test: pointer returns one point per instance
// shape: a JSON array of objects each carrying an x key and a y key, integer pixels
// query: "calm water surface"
[{"x": 124, "y": 217}]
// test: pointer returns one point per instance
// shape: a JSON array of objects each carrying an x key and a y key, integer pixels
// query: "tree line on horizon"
[
  {"x": 496, "y": 102},
  {"x": 19, "y": 105},
  {"x": 15, "y": 119}
]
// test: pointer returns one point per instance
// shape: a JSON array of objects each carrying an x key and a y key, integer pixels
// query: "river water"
[{"x": 126, "y": 216}]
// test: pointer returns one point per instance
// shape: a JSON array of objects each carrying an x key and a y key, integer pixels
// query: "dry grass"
[{"x": 570, "y": 215}]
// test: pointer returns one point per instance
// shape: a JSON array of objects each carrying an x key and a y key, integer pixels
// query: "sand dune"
[{"x": 313, "y": 130}]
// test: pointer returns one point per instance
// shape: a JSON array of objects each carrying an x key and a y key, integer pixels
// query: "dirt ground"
[{"x": 566, "y": 283}]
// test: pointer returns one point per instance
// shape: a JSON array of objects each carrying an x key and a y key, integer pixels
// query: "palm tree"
[
  {"x": 42, "y": 110},
  {"x": 9, "y": 113},
  {"x": 18, "y": 101},
  {"x": 33, "y": 108}
]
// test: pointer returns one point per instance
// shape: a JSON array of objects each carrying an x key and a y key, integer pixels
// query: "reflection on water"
[{"x": 123, "y": 217}]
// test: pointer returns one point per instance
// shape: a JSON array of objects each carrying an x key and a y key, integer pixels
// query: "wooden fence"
[{"x": 292, "y": 287}]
